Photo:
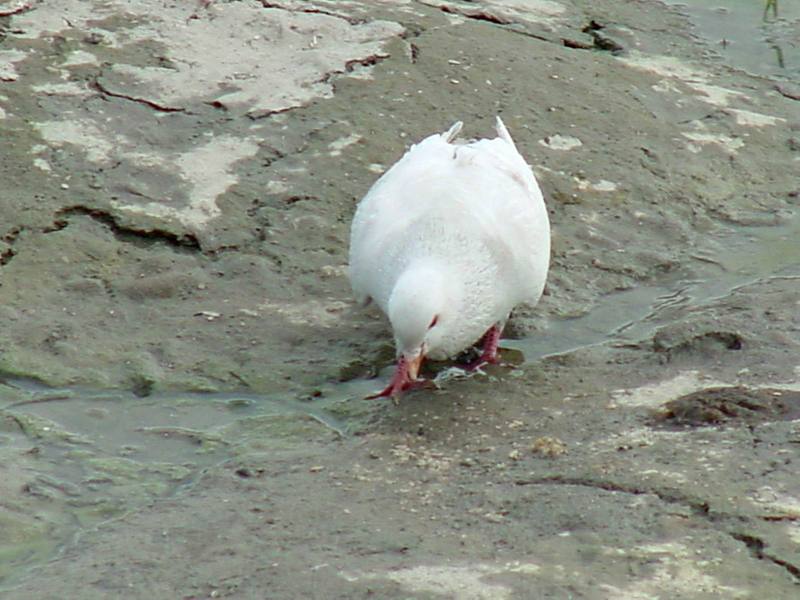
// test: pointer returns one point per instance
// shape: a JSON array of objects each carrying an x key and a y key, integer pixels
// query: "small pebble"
[
  {"x": 494, "y": 517},
  {"x": 549, "y": 447}
]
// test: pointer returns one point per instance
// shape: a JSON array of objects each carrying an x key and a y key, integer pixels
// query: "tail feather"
[
  {"x": 502, "y": 132},
  {"x": 451, "y": 133}
]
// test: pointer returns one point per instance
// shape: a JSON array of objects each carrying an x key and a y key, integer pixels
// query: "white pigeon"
[{"x": 447, "y": 242}]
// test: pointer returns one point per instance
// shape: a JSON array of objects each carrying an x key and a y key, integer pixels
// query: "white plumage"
[{"x": 447, "y": 242}]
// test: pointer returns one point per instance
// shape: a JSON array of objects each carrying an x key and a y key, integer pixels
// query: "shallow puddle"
[
  {"x": 73, "y": 459},
  {"x": 757, "y": 36},
  {"x": 740, "y": 256}
]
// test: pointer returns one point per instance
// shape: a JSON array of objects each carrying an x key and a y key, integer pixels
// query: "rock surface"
[{"x": 183, "y": 367}]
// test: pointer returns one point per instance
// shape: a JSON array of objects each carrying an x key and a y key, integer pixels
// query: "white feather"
[{"x": 466, "y": 217}]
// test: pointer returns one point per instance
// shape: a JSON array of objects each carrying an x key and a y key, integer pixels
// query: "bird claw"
[
  {"x": 404, "y": 378},
  {"x": 482, "y": 361},
  {"x": 396, "y": 388},
  {"x": 491, "y": 352}
]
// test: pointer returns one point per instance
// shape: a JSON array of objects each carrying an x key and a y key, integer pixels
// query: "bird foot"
[
  {"x": 396, "y": 387},
  {"x": 394, "y": 390},
  {"x": 400, "y": 382},
  {"x": 482, "y": 361},
  {"x": 491, "y": 352}
]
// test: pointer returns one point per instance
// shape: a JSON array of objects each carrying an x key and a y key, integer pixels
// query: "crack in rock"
[
  {"x": 6, "y": 256},
  {"x": 12, "y": 235},
  {"x": 297, "y": 7},
  {"x": 505, "y": 23},
  {"x": 367, "y": 61},
  {"x": 700, "y": 508},
  {"x": 16, "y": 10},
  {"x": 780, "y": 518},
  {"x": 757, "y": 546},
  {"x": 668, "y": 496},
  {"x": 476, "y": 14},
  {"x": 788, "y": 92},
  {"x": 106, "y": 92},
  {"x": 185, "y": 241},
  {"x": 502, "y": 13},
  {"x": 8, "y": 253}
]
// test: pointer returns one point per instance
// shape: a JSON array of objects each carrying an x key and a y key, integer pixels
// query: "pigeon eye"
[{"x": 434, "y": 322}]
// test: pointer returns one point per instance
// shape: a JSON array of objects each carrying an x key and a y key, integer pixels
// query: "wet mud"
[{"x": 182, "y": 366}]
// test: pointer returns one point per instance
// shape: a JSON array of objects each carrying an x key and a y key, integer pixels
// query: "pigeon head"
[{"x": 421, "y": 308}]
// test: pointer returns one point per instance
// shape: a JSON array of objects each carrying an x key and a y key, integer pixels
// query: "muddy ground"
[{"x": 183, "y": 366}]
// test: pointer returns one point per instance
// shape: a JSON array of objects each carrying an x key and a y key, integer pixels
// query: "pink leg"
[
  {"x": 490, "y": 355},
  {"x": 399, "y": 383}
]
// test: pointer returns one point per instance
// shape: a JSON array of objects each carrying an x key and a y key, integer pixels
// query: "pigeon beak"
[{"x": 413, "y": 366}]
